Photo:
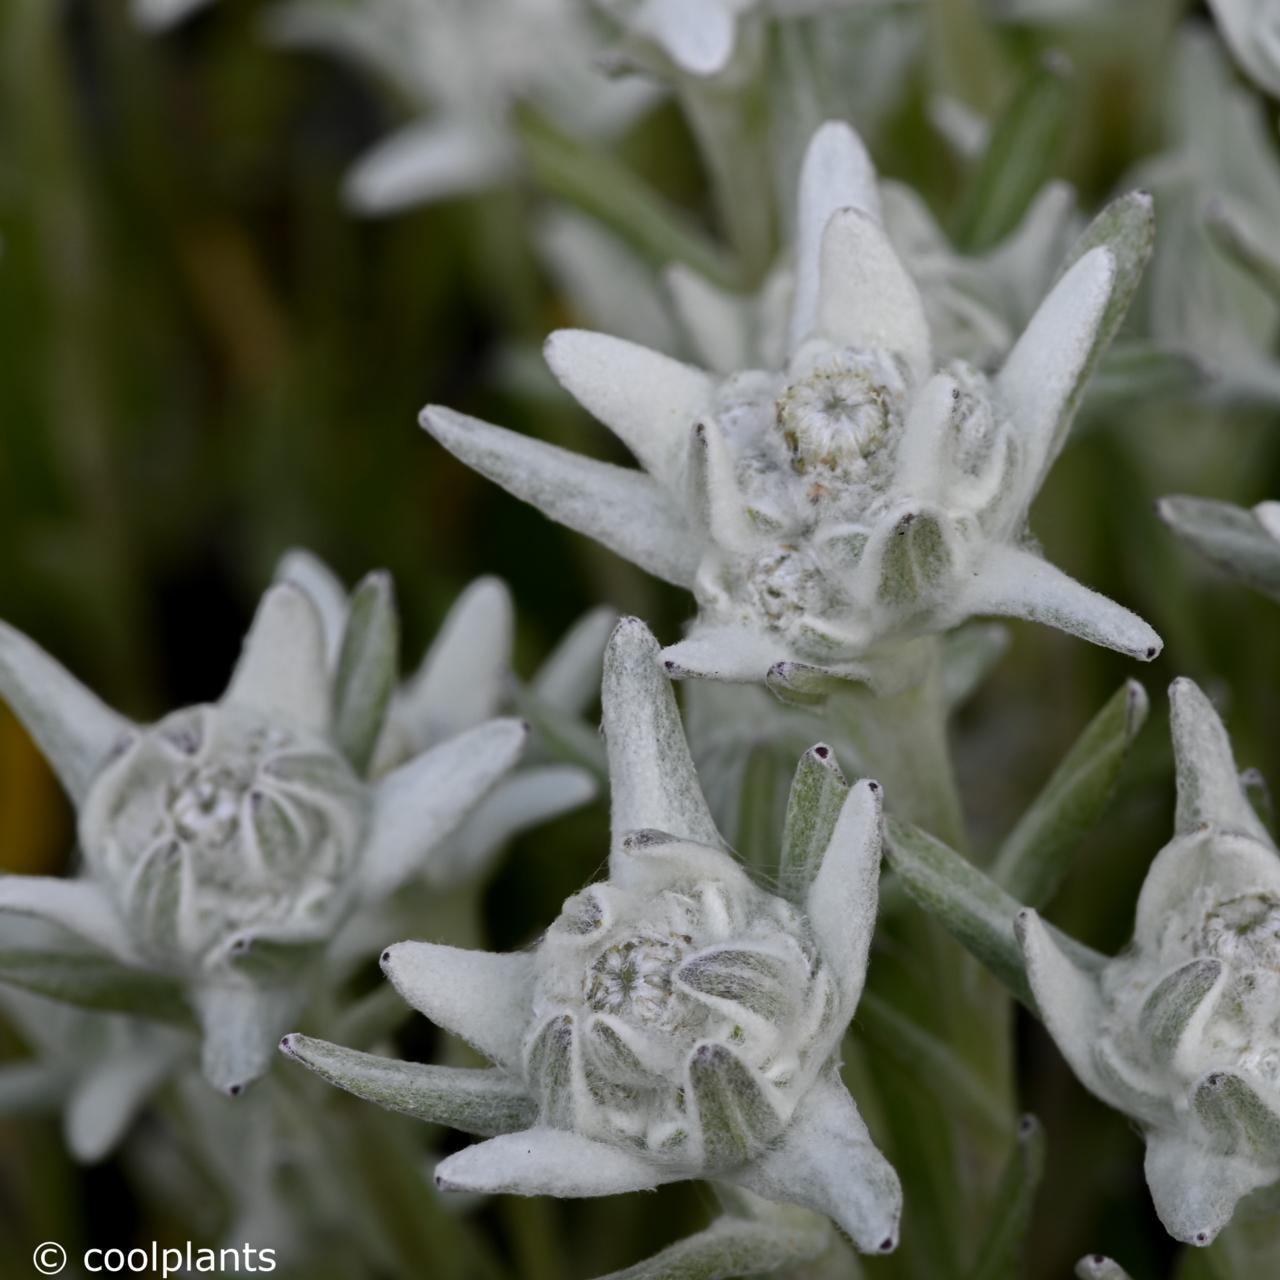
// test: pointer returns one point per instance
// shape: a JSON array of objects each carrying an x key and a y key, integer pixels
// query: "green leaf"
[
  {"x": 95, "y": 981},
  {"x": 1003, "y": 1250},
  {"x": 972, "y": 908},
  {"x": 818, "y": 791},
  {"x": 590, "y": 178},
  {"x": 1230, "y": 537},
  {"x": 1037, "y": 853},
  {"x": 368, "y": 666},
  {"x": 734, "y": 1246},
  {"x": 483, "y": 1101},
  {"x": 1019, "y": 159},
  {"x": 755, "y": 836},
  {"x": 932, "y": 1062},
  {"x": 975, "y": 910}
]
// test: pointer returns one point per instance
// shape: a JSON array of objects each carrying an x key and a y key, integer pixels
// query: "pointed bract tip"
[{"x": 286, "y": 1045}]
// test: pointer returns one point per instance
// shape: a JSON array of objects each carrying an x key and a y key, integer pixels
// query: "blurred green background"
[{"x": 205, "y": 360}]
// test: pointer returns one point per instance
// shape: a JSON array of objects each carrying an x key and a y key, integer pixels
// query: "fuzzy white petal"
[
  {"x": 71, "y": 725},
  {"x": 735, "y": 654},
  {"x": 827, "y": 1162},
  {"x": 420, "y": 803},
  {"x": 1069, "y": 1000},
  {"x": 1043, "y": 376},
  {"x": 651, "y": 774},
  {"x": 283, "y": 669},
  {"x": 922, "y": 452},
  {"x": 551, "y": 1162},
  {"x": 843, "y": 897},
  {"x": 325, "y": 589},
  {"x": 480, "y": 996},
  {"x": 241, "y": 1025},
  {"x": 625, "y": 510},
  {"x": 837, "y": 173},
  {"x": 80, "y": 906},
  {"x": 1014, "y": 583},
  {"x": 866, "y": 298},
  {"x": 648, "y": 400},
  {"x": 105, "y": 1101},
  {"x": 425, "y": 161},
  {"x": 697, "y": 34},
  {"x": 717, "y": 500},
  {"x": 1196, "y": 1193},
  {"x": 1209, "y": 790},
  {"x": 526, "y": 799},
  {"x": 463, "y": 678}
]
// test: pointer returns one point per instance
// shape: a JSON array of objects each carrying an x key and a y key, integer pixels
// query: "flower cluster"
[
  {"x": 676, "y": 1020},
  {"x": 224, "y": 845},
  {"x": 824, "y": 513},
  {"x": 1182, "y": 1030}
]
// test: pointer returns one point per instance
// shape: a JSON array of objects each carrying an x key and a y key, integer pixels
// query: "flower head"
[
  {"x": 224, "y": 845},
  {"x": 1182, "y": 1030},
  {"x": 464, "y": 64},
  {"x": 825, "y": 512},
  {"x": 676, "y": 1020}
]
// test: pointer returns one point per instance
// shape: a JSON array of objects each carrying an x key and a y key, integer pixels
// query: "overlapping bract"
[
  {"x": 676, "y": 1020},
  {"x": 1252, "y": 29},
  {"x": 1182, "y": 1031},
  {"x": 825, "y": 513},
  {"x": 225, "y": 846}
]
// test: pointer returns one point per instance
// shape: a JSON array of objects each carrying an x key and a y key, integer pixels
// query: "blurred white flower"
[
  {"x": 853, "y": 495},
  {"x": 464, "y": 65},
  {"x": 1252, "y": 29},
  {"x": 1181, "y": 1031},
  {"x": 700, "y": 36},
  {"x": 676, "y": 1020},
  {"x": 1199, "y": 299},
  {"x": 224, "y": 845}
]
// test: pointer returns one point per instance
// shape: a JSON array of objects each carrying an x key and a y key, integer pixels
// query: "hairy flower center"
[
  {"x": 1245, "y": 932},
  {"x": 635, "y": 978},
  {"x": 205, "y": 805}
]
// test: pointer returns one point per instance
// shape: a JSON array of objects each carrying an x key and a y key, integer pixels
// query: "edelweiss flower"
[
  {"x": 827, "y": 512},
  {"x": 1182, "y": 1031},
  {"x": 464, "y": 64},
  {"x": 224, "y": 845},
  {"x": 677, "y": 1020},
  {"x": 1252, "y": 29},
  {"x": 700, "y": 36}
]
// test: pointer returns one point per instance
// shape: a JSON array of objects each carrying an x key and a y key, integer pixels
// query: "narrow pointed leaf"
[
  {"x": 569, "y": 680},
  {"x": 482, "y": 1101},
  {"x": 325, "y": 589},
  {"x": 80, "y": 906},
  {"x": 107, "y": 1099},
  {"x": 242, "y": 1024},
  {"x": 76, "y": 731},
  {"x": 1038, "y": 851},
  {"x": 1003, "y": 1252},
  {"x": 648, "y": 400},
  {"x": 1021, "y": 155},
  {"x": 818, "y": 792},
  {"x": 1097, "y": 1266},
  {"x": 1209, "y": 788},
  {"x": 420, "y": 803},
  {"x": 94, "y": 981},
  {"x": 653, "y": 781},
  {"x": 620, "y": 507},
  {"x": 367, "y": 669},
  {"x": 481, "y": 996},
  {"x": 549, "y": 1162},
  {"x": 283, "y": 669},
  {"x": 464, "y": 677}
]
